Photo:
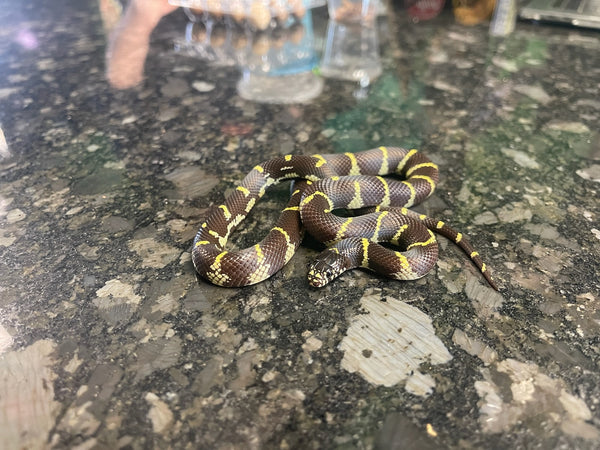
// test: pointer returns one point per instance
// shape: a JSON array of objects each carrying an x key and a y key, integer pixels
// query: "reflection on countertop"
[{"x": 107, "y": 167}]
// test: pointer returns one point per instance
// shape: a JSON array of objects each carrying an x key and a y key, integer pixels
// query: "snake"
[{"x": 379, "y": 185}]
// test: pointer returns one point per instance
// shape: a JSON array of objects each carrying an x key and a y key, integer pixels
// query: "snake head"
[{"x": 327, "y": 266}]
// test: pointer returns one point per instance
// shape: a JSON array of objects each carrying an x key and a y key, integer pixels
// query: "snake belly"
[{"x": 349, "y": 180}]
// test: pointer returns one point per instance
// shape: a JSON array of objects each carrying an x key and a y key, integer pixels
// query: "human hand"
[
  {"x": 151, "y": 10},
  {"x": 130, "y": 41}
]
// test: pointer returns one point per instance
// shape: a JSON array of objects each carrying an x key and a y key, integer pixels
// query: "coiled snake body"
[{"x": 330, "y": 182}]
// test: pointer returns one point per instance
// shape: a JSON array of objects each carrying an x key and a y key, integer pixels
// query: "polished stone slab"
[{"x": 109, "y": 340}]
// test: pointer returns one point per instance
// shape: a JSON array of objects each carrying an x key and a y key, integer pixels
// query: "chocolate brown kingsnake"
[{"x": 325, "y": 183}]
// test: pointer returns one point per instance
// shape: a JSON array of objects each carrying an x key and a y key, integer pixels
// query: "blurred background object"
[
  {"x": 277, "y": 64},
  {"x": 472, "y": 12},
  {"x": 419, "y": 10},
  {"x": 579, "y": 13},
  {"x": 257, "y": 13},
  {"x": 504, "y": 18}
]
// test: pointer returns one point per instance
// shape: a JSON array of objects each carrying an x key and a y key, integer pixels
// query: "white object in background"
[
  {"x": 4, "y": 152},
  {"x": 504, "y": 18}
]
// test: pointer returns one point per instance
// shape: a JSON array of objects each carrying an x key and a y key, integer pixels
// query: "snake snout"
[
  {"x": 316, "y": 281},
  {"x": 327, "y": 266}
]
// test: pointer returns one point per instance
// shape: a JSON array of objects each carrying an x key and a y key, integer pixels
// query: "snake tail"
[{"x": 443, "y": 229}]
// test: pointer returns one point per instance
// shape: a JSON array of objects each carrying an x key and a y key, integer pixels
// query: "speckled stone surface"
[{"x": 108, "y": 339}]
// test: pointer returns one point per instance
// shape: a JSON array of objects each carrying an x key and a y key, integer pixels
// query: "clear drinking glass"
[{"x": 351, "y": 52}]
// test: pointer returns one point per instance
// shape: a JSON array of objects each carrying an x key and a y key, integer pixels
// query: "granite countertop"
[{"x": 109, "y": 340}]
